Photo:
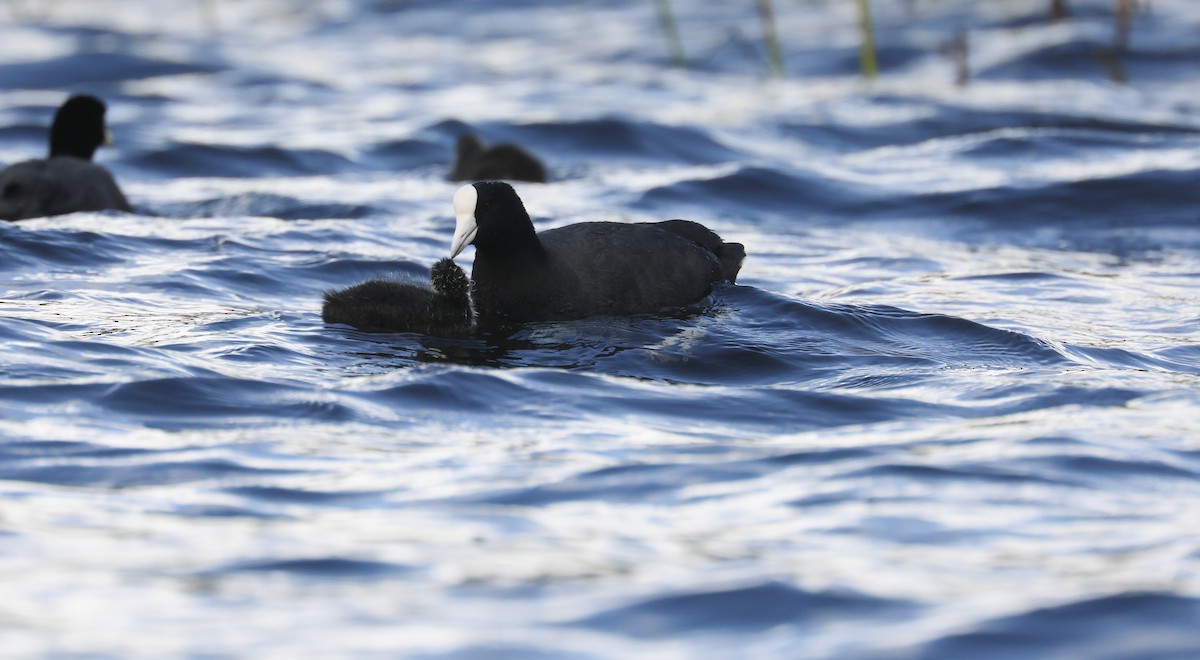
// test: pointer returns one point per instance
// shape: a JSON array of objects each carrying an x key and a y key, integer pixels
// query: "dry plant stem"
[
  {"x": 867, "y": 58},
  {"x": 771, "y": 37},
  {"x": 670, "y": 32},
  {"x": 962, "y": 62},
  {"x": 1123, "y": 14}
]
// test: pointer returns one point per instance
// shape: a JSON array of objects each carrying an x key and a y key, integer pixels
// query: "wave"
[
  {"x": 215, "y": 160},
  {"x": 1122, "y": 625},
  {"x": 95, "y": 68},
  {"x": 749, "y": 609}
]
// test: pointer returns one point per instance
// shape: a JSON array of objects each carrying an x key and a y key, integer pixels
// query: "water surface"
[{"x": 949, "y": 409}]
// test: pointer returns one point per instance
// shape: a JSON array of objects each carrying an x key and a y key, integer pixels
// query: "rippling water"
[{"x": 949, "y": 410}]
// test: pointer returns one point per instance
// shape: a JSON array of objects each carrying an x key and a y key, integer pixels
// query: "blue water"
[{"x": 951, "y": 408}]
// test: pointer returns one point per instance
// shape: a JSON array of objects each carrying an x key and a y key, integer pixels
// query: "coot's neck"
[
  {"x": 516, "y": 240},
  {"x": 66, "y": 141}
]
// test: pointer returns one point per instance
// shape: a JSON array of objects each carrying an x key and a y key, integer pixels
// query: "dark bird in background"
[
  {"x": 472, "y": 162},
  {"x": 67, "y": 180},
  {"x": 389, "y": 306},
  {"x": 584, "y": 269}
]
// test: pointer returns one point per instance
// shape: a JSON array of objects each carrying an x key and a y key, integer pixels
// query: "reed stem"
[
  {"x": 962, "y": 58},
  {"x": 666, "y": 18},
  {"x": 867, "y": 57},
  {"x": 1123, "y": 17},
  {"x": 771, "y": 37}
]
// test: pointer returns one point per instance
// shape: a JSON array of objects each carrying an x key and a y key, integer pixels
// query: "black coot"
[
  {"x": 388, "y": 306},
  {"x": 585, "y": 269},
  {"x": 472, "y": 162},
  {"x": 67, "y": 180}
]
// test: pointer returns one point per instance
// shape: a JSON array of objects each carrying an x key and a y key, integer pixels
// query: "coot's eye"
[{"x": 483, "y": 206}]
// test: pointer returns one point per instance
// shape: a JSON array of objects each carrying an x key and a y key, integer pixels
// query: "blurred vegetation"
[
  {"x": 769, "y": 48},
  {"x": 666, "y": 18},
  {"x": 771, "y": 37},
  {"x": 868, "y": 58},
  {"x": 956, "y": 47}
]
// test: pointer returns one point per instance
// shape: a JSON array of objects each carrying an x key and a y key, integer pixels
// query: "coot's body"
[
  {"x": 474, "y": 162},
  {"x": 389, "y": 306}
]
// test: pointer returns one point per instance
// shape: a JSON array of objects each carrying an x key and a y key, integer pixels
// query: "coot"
[
  {"x": 472, "y": 162},
  {"x": 389, "y": 306},
  {"x": 585, "y": 269},
  {"x": 67, "y": 180}
]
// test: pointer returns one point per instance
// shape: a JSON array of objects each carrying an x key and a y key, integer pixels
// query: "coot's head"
[
  {"x": 78, "y": 128},
  {"x": 489, "y": 215},
  {"x": 449, "y": 281}
]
